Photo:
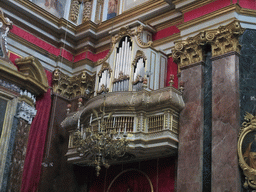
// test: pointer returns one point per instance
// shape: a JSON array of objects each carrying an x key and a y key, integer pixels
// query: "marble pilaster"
[
  {"x": 190, "y": 163},
  {"x": 225, "y": 122}
]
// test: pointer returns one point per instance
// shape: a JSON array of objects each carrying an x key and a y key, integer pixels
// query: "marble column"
[
  {"x": 190, "y": 161},
  {"x": 225, "y": 122}
]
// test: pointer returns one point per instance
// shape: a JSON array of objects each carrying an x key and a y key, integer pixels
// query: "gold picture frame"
[{"x": 247, "y": 150}]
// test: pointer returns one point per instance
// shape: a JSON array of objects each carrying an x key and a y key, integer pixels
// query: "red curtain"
[
  {"x": 36, "y": 142},
  {"x": 161, "y": 173}
]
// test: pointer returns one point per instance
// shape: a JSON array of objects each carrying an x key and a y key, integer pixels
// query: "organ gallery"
[{"x": 127, "y": 95}]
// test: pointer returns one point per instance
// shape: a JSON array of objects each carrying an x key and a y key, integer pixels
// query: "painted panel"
[
  {"x": 112, "y": 8},
  {"x": 55, "y": 7}
]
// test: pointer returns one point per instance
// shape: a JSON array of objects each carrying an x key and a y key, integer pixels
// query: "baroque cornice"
[{"x": 222, "y": 40}]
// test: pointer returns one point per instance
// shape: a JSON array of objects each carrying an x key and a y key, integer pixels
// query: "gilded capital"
[
  {"x": 224, "y": 39},
  {"x": 81, "y": 85}
]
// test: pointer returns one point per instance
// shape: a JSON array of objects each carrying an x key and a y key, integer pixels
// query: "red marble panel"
[
  {"x": 191, "y": 132},
  {"x": 225, "y": 123}
]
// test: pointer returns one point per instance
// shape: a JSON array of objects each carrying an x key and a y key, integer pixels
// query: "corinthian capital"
[{"x": 224, "y": 39}]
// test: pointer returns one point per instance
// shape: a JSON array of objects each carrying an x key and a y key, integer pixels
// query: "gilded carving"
[
  {"x": 105, "y": 66},
  {"x": 121, "y": 77},
  {"x": 246, "y": 150},
  {"x": 71, "y": 87},
  {"x": 222, "y": 40},
  {"x": 87, "y": 10},
  {"x": 139, "y": 41},
  {"x": 74, "y": 10},
  {"x": 139, "y": 54},
  {"x": 103, "y": 89}
]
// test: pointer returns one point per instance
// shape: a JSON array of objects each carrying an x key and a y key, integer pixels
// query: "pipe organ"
[
  {"x": 138, "y": 76},
  {"x": 123, "y": 65}
]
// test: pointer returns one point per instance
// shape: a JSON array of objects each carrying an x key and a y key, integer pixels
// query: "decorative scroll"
[
  {"x": 246, "y": 152},
  {"x": 139, "y": 41},
  {"x": 71, "y": 87},
  {"x": 222, "y": 40},
  {"x": 74, "y": 10}
]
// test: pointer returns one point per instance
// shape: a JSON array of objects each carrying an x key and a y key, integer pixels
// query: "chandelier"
[{"x": 101, "y": 145}]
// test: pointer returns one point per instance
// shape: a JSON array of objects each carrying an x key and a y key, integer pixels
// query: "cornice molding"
[{"x": 224, "y": 39}]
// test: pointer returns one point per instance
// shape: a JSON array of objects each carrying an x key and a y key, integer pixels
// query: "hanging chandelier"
[{"x": 103, "y": 144}]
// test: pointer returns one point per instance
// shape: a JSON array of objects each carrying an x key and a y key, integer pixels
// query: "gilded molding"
[
  {"x": 247, "y": 136},
  {"x": 222, "y": 40},
  {"x": 139, "y": 54},
  {"x": 105, "y": 66},
  {"x": 70, "y": 87}
]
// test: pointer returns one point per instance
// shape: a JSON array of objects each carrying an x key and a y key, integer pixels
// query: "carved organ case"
[{"x": 130, "y": 61}]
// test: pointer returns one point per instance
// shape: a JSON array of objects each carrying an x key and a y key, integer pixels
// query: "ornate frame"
[{"x": 248, "y": 126}]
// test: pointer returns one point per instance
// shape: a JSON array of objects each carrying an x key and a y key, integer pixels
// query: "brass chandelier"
[{"x": 101, "y": 145}]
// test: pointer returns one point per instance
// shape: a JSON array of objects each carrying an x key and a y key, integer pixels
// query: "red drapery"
[{"x": 36, "y": 142}]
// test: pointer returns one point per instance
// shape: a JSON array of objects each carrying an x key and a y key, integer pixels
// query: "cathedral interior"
[{"x": 127, "y": 95}]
